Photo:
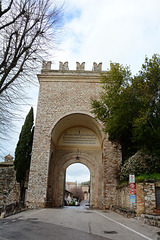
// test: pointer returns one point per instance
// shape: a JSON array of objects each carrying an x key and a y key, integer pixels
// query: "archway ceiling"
[{"x": 75, "y": 120}]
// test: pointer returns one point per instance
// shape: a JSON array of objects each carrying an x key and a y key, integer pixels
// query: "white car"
[{"x": 76, "y": 203}]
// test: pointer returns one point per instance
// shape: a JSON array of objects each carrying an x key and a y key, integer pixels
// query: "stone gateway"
[{"x": 65, "y": 133}]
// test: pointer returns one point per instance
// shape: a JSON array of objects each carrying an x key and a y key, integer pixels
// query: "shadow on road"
[{"x": 32, "y": 229}]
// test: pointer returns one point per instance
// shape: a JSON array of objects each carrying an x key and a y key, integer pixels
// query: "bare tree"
[
  {"x": 78, "y": 193},
  {"x": 27, "y": 31}
]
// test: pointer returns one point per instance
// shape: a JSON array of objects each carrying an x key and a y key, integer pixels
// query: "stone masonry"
[
  {"x": 66, "y": 132},
  {"x": 145, "y": 197},
  {"x": 9, "y": 188}
]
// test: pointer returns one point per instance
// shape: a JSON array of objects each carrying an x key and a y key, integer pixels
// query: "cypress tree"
[{"x": 23, "y": 151}]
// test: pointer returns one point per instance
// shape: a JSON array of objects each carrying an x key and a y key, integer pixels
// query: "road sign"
[
  {"x": 132, "y": 198},
  {"x": 132, "y": 191},
  {"x": 132, "y": 185},
  {"x": 131, "y": 178}
]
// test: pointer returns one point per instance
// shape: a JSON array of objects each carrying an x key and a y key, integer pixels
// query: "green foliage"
[
  {"x": 85, "y": 183},
  {"x": 24, "y": 148},
  {"x": 144, "y": 177},
  {"x": 139, "y": 164},
  {"x": 146, "y": 127},
  {"x": 129, "y": 107},
  {"x": 113, "y": 106}
]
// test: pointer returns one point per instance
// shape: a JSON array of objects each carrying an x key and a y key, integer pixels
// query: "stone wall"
[
  {"x": 58, "y": 96},
  {"x": 145, "y": 198},
  {"x": 9, "y": 188},
  {"x": 111, "y": 163},
  {"x": 123, "y": 197}
]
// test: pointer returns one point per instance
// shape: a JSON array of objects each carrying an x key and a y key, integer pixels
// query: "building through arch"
[
  {"x": 66, "y": 133},
  {"x": 77, "y": 183}
]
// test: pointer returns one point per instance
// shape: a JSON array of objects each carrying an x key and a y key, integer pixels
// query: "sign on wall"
[
  {"x": 131, "y": 178},
  {"x": 132, "y": 188},
  {"x": 78, "y": 136},
  {"x": 132, "y": 198}
]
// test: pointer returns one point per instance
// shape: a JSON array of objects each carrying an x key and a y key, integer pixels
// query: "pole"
[{"x": 132, "y": 210}]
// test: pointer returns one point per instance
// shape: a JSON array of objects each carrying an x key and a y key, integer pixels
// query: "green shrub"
[
  {"x": 140, "y": 164},
  {"x": 142, "y": 178}
]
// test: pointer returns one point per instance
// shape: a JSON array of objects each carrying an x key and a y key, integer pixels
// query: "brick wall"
[{"x": 140, "y": 198}]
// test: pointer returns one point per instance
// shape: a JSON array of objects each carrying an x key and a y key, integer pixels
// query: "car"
[
  {"x": 87, "y": 203},
  {"x": 77, "y": 203}
]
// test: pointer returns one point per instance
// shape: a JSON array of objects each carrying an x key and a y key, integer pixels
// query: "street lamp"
[{"x": 77, "y": 157}]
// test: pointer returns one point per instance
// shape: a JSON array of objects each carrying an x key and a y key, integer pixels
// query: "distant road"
[{"x": 77, "y": 223}]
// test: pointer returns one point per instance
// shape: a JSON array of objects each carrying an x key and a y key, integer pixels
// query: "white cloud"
[
  {"x": 103, "y": 30},
  {"x": 77, "y": 172}
]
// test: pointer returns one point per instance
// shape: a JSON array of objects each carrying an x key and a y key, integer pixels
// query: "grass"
[
  {"x": 152, "y": 176},
  {"x": 143, "y": 178}
]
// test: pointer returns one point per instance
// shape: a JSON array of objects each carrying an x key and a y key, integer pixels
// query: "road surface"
[{"x": 77, "y": 223}]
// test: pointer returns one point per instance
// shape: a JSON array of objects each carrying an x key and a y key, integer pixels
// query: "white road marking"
[
  {"x": 123, "y": 225},
  {"x": 34, "y": 213}
]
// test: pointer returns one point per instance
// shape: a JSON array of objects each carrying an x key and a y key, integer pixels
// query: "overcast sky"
[
  {"x": 77, "y": 172},
  {"x": 123, "y": 31}
]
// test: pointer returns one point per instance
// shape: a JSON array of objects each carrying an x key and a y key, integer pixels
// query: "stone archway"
[
  {"x": 59, "y": 179},
  {"x": 64, "y": 108},
  {"x": 75, "y": 132}
]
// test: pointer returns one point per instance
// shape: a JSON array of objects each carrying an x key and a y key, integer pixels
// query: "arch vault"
[{"x": 76, "y": 138}]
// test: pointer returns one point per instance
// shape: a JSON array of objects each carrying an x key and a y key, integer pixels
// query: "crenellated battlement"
[{"x": 80, "y": 67}]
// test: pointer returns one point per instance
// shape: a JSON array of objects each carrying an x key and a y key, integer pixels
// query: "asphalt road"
[{"x": 77, "y": 223}]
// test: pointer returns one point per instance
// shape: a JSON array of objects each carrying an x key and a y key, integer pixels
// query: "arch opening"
[{"x": 77, "y": 185}]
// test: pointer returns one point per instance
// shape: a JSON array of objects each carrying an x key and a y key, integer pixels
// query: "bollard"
[{"x": 2, "y": 215}]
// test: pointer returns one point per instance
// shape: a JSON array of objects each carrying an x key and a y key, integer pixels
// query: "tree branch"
[{"x": 7, "y": 9}]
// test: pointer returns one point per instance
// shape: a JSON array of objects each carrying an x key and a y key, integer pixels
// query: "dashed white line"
[{"x": 123, "y": 225}]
